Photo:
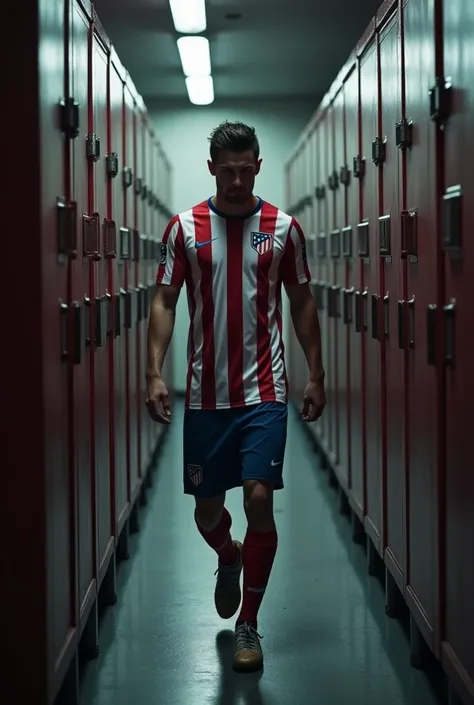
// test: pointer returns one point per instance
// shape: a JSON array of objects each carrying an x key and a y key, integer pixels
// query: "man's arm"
[
  {"x": 304, "y": 314},
  {"x": 160, "y": 328}
]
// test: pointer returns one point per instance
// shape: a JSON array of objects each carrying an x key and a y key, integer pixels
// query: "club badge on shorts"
[
  {"x": 261, "y": 242},
  {"x": 195, "y": 474}
]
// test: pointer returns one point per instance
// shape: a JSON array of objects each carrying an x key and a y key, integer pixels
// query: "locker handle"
[
  {"x": 118, "y": 316},
  {"x": 375, "y": 317},
  {"x": 365, "y": 297},
  {"x": 431, "y": 334},
  {"x": 77, "y": 330},
  {"x": 401, "y": 325},
  {"x": 64, "y": 330},
  {"x": 358, "y": 324},
  {"x": 449, "y": 332},
  {"x": 411, "y": 323},
  {"x": 386, "y": 316}
]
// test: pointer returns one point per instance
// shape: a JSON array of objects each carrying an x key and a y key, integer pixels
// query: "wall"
[{"x": 183, "y": 132}]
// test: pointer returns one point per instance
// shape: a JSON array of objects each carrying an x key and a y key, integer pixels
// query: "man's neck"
[{"x": 234, "y": 209}]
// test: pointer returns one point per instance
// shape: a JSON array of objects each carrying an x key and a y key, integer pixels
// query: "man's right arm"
[{"x": 160, "y": 328}]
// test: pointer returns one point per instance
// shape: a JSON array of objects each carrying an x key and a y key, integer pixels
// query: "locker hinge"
[
  {"x": 70, "y": 117},
  {"x": 112, "y": 164},
  {"x": 440, "y": 99},
  {"x": 452, "y": 220},
  {"x": 363, "y": 239},
  {"x": 109, "y": 229},
  {"x": 404, "y": 134},
  {"x": 333, "y": 181},
  {"x": 345, "y": 175},
  {"x": 359, "y": 167},
  {"x": 93, "y": 147},
  {"x": 320, "y": 192},
  {"x": 124, "y": 243},
  {"x": 379, "y": 150},
  {"x": 347, "y": 241},
  {"x": 384, "y": 237},
  {"x": 409, "y": 234},
  {"x": 66, "y": 228},
  {"x": 91, "y": 236},
  {"x": 127, "y": 177}
]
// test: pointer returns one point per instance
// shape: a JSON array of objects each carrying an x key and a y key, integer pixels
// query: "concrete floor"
[{"x": 326, "y": 638}]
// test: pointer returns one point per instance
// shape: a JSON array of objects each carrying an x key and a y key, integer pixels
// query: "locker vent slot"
[
  {"x": 384, "y": 234},
  {"x": 452, "y": 220},
  {"x": 127, "y": 176},
  {"x": 347, "y": 241},
  {"x": 93, "y": 147},
  {"x": 112, "y": 164},
  {"x": 320, "y": 193},
  {"x": 345, "y": 175},
  {"x": 379, "y": 150},
  {"x": 91, "y": 236},
  {"x": 70, "y": 118},
  {"x": 363, "y": 239},
  {"x": 138, "y": 186},
  {"x": 124, "y": 243},
  {"x": 409, "y": 234},
  {"x": 109, "y": 230},
  {"x": 333, "y": 181},
  {"x": 404, "y": 134},
  {"x": 322, "y": 246},
  {"x": 440, "y": 99},
  {"x": 335, "y": 244},
  {"x": 135, "y": 254},
  {"x": 359, "y": 167},
  {"x": 66, "y": 228}
]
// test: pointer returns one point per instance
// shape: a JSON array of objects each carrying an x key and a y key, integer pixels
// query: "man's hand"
[
  {"x": 314, "y": 401},
  {"x": 157, "y": 401}
]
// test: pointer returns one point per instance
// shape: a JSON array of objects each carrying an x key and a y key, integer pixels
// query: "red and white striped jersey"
[{"x": 233, "y": 268}]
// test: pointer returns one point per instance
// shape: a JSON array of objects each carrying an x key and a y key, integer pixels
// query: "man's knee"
[
  {"x": 208, "y": 511},
  {"x": 258, "y": 504}
]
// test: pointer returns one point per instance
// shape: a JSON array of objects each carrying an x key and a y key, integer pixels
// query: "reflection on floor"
[{"x": 326, "y": 640}]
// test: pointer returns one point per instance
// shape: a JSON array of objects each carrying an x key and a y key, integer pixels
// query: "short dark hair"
[{"x": 234, "y": 136}]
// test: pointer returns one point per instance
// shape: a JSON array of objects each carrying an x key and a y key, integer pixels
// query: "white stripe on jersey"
[
  {"x": 249, "y": 290},
  {"x": 188, "y": 227}
]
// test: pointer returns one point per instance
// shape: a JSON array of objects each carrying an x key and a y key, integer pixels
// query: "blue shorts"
[{"x": 222, "y": 448}]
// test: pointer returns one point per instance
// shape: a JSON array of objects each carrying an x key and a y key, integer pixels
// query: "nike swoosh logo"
[
  {"x": 274, "y": 463},
  {"x": 197, "y": 245}
]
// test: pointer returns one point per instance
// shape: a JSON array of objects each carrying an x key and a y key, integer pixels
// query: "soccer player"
[{"x": 234, "y": 251}]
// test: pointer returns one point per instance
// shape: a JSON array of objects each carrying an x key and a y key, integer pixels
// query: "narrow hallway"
[{"x": 326, "y": 637}]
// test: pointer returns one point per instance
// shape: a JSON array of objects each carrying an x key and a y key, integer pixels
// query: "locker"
[
  {"x": 355, "y": 424},
  {"x": 368, "y": 252},
  {"x": 331, "y": 293},
  {"x": 98, "y": 186},
  {"x": 81, "y": 295},
  {"x": 136, "y": 403},
  {"x": 420, "y": 249},
  {"x": 119, "y": 185},
  {"x": 457, "y": 217},
  {"x": 392, "y": 305}
]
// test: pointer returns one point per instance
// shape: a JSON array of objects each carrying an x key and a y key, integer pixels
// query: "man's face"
[{"x": 235, "y": 175}]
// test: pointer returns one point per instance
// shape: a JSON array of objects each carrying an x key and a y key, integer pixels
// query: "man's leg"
[{"x": 263, "y": 449}]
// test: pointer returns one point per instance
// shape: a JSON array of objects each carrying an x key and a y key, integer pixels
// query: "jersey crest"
[{"x": 261, "y": 242}]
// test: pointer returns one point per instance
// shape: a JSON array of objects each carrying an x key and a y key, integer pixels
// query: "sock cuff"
[{"x": 264, "y": 539}]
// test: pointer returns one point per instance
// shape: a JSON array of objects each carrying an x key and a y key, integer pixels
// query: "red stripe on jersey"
[
  {"x": 203, "y": 234},
  {"x": 235, "y": 311},
  {"x": 162, "y": 267},
  {"x": 297, "y": 227},
  {"x": 268, "y": 219},
  {"x": 191, "y": 346}
]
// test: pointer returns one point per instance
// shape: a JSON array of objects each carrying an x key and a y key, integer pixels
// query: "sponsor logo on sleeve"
[{"x": 163, "y": 253}]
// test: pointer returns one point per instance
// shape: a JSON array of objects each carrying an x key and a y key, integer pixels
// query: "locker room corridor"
[{"x": 326, "y": 638}]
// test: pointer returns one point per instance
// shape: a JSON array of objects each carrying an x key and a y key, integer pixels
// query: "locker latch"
[
  {"x": 333, "y": 181},
  {"x": 91, "y": 236},
  {"x": 70, "y": 118},
  {"x": 127, "y": 177},
  {"x": 384, "y": 236},
  {"x": 404, "y": 134},
  {"x": 379, "y": 149},
  {"x": 124, "y": 243},
  {"x": 452, "y": 220},
  {"x": 363, "y": 239},
  {"x": 347, "y": 241},
  {"x": 109, "y": 234},
  {"x": 440, "y": 99},
  {"x": 345, "y": 175},
  {"x": 66, "y": 228},
  {"x": 320, "y": 192},
  {"x": 93, "y": 147},
  {"x": 359, "y": 167},
  {"x": 112, "y": 164},
  {"x": 138, "y": 185},
  {"x": 335, "y": 244},
  {"x": 409, "y": 228}
]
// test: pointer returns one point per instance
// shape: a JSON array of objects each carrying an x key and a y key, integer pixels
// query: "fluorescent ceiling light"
[
  {"x": 195, "y": 56},
  {"x": 200, "y": 89},
  {"x": 189, "y": 16}
]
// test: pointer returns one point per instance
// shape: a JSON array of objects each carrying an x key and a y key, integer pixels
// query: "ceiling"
[{"x": 277, "y": 49}]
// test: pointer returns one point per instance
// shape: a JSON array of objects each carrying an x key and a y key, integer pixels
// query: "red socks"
[
  {"x": 220, "y": 540},
  {"x": 258, "y": 556}
]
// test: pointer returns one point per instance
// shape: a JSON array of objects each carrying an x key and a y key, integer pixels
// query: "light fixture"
[
  {"x": 200, "y": 90},
  {"x": 195, "y": 56},
  {"x": 189, "y": 16}
]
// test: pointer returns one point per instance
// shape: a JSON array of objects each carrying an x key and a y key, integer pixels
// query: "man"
[{"x": 234, "y": 251}]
